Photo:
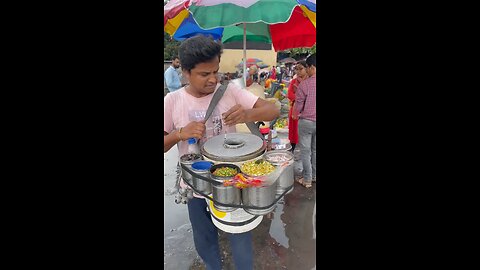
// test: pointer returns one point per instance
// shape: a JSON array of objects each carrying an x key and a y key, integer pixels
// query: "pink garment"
[
  {"x": 305, "y": 99},
  {"x": 182, "y": 108}
]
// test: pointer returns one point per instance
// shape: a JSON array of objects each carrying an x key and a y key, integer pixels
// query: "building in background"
[{"x": 233, "y": 54}]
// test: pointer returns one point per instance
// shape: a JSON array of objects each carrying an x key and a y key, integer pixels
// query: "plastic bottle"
[{"x": 193, "y": 146}]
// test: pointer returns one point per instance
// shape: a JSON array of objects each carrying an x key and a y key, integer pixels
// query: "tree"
[
  {"x": 170, "y": 47},
  {"x": 299, "y": 53}
]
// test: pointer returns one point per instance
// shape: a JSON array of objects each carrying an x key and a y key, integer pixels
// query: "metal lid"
[{"x": 237, "y": 147}]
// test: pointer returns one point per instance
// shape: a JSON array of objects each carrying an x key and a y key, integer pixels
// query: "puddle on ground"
[{"x": 277, "y": 228}]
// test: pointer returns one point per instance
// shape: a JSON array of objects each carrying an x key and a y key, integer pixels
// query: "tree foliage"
[
  {"x": 170, "y": 47},
  {"x": 299, "y": 53}
]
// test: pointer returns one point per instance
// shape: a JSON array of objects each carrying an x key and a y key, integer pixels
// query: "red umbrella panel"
[{"x": 297, "y": 32}]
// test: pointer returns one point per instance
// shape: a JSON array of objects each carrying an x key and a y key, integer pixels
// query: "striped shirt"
[{"x": 305, "y": 103}]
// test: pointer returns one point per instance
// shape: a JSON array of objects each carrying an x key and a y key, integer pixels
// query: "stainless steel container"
[
  {"x": 286, "y": 178},
  {"x": 185, "y": 175},
  {"x": 261, "y": 197},
  {"x": 235, "y": 149},
  {"x": 224, "y": 194},
  {"x": 202, "y": 168}
]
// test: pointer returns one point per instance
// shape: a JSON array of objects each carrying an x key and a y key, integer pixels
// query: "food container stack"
[
  {"x": 263, "y": 194},
  {"x": 225, "y": 194}
]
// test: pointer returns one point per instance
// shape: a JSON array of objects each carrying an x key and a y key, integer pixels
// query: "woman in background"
[
  {"x": 273, "y": 74},
  {"x": 301, "y": 74}
]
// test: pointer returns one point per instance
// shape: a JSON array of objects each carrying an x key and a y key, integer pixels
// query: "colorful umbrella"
[
  {"x": 189, "y": 28},
  {"x": 256, "y": 32},
  {"x": 232, "y": 12},
  {"x": 284, "y": 23},
  {"x": 310, "y": 4},
  {"x": 174, "y": 12},
  {"x": 288, "y": 60},
  {"x": 250, "y": 62}
]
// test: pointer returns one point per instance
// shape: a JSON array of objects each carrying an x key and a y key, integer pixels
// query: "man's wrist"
[
  {"x": 179, "y": 134},
  {"x": 248, "y": 115}
]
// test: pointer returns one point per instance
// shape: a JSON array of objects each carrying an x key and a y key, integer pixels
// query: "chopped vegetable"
[
  {"x": 240, "y": 181},
  {"x": 257, "y": 169},
  {"x": 225, "y": 171},
  {"x": 281, "y": 123}
]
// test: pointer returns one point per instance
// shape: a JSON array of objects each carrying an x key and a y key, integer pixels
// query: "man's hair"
[
  {"x": 198, "y": 49},
  {"x": 312, "y": 60},
  {"x": 302, "y": 62},
  {"x": 175, "y": 57}
]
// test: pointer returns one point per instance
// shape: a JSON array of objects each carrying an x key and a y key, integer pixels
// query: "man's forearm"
[
  {"x": 264, "y": 113},
  {"x": 169, "y": 140},
  {"x": 298, "y": 106},
  {"x": 300, "y": 101}
]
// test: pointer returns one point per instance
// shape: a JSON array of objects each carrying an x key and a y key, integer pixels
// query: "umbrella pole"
[{"x": 245, "y": 54}]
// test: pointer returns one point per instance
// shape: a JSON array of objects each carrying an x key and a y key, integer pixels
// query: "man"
[
  {"x": 184, "y": 112},
  {"x": 252, "y": 75},
  {"x": 305, "y": 110},
  {"x": 279, "y": 75},
  {"x": 171, "y": 76}
]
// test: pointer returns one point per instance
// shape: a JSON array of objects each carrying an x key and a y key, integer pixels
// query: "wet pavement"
[{"x": 285, "y": 239}]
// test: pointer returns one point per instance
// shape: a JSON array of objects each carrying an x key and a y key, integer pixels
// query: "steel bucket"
[
  {"x": 286, "y": 178},
  {"x": 185, "y": 175},
  {"x": 260, "y": 197},
  {"x": 202, "y": 168},
  {"x": 223, "y": 194}
]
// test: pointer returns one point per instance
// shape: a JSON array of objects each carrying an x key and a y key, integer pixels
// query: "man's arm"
[
  {"x": 177, "y": 83},
  {"x": 169, "y": 140},
  {"x": 262, "y": 111},
  {"x": 170, "y": 80},
  {"x": 192, "y": 130},
  {"x": 300, "y": 99}
]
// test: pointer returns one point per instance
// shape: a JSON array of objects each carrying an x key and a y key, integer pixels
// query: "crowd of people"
[{"x": 200, "y": 58}]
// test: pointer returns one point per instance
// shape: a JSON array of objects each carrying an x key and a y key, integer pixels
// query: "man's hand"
[
  {"x": 193, "y": 130},
  {"x": 294, "y": 114},
  {"x": 236, "y": 115}
]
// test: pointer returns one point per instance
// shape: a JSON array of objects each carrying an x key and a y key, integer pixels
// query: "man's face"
[
  {"x": 301, "y": 70},
  {"x": 176, "y": 63},
  {"x": 203, "y": 78},
  {"x": 311, "y": 70}
]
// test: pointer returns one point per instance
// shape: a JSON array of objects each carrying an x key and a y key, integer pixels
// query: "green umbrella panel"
[{"x": 256, "y": 32}]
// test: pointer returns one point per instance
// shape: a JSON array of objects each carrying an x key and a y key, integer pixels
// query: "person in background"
[
  {"x": 273, "y": 74},
  {"x": 172, "y": 77},
  {"x": 252, "y": 75},
  {"x": 185, "y": 110},
  {"x": 305, "y": 110},
  {"x": 301, "y": 73},
  {"x": 280, "y": 74}
]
